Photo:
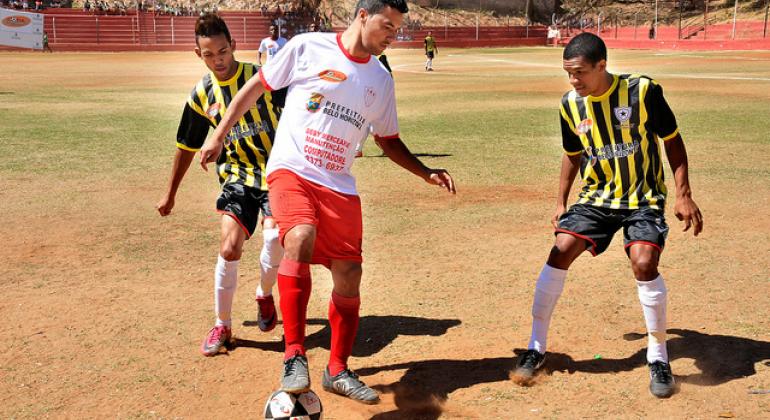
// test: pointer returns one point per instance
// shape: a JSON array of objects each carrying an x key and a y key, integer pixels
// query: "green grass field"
[{"x": 104, "y": 302}]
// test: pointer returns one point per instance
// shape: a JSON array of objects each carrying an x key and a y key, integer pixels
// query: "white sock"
[
  {"x": 269, "y": 260},
  {"x": 547, "y": 291},
  {"x": 652, "y": 296},
  {"x": 225, "y": 281}
]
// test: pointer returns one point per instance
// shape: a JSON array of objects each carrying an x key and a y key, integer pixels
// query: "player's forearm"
[
  {"x": 677, "y": 158},
  {"x": 569, "y": 169},
  {"x": 241, "y": 103},
  {"x": 397, "y": 151},
  {"x": 182, "y": 161}
]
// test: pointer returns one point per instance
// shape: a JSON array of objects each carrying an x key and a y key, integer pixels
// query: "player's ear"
[
  {"x": 232, "y": 44},
  {"x": 198, "y": 52},
  {"x": 363, "y": 14},
  {"x": 602, "y": 65}
]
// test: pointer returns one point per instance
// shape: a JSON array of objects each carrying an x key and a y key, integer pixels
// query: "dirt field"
[{"x": 104, "y": 303}]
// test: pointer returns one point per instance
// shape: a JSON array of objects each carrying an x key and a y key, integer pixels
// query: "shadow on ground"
[
  {"x": 374, "y": 333},
  {"x": 425, "y": 386}
]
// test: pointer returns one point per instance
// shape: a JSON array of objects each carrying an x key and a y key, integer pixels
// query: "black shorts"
[
  {"x": 244, "y": 204},
  {"x": 597, "y": 225},
  {"x": 430, "y": 55}
]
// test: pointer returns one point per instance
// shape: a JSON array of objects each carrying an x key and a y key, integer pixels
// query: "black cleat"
[
  {"x": 661, "y": 379},
  {"x": 528, "y": 364},
  {"x": 346, "y": 383}
]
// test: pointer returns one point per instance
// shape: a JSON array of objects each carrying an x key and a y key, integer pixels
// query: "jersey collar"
[
  {"x": 231, "y": 80},
  {"x": 606, "y": 94},
  {"x": 347, "y": 54}
]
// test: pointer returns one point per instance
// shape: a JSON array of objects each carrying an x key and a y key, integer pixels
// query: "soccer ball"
[{"x": 285, "y": 406}]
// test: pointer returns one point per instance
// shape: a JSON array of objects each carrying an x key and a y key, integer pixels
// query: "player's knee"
[
  {"x": 272, "y": 251},
  {"x": 645, "y": 267},
  {"x": 560, "y": 257},
  {"x": 230, "y": 250}
]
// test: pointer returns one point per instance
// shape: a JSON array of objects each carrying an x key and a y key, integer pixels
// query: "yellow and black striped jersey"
[
  {"x": 617, "y": 134},
  {"x": 430, "y": 43},
  {"x": 248, "y": 144}
]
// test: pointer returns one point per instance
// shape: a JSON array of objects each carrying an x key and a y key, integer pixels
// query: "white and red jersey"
[{"x": 332, "y": 100}]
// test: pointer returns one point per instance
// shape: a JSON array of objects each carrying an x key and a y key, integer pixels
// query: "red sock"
[
  {"x": 343, "y": 319},
  {"x": 294, "y": 285}
]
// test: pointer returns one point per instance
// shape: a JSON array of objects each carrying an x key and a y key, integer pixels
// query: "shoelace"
[
  {"x": 659, "y": 371},
  {"x": 289, "y": 368},
  {"x": 216, "y": 335},
  {"x": 530, "y": 359}
]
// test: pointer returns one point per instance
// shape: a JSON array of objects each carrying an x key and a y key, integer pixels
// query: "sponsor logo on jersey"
[
  {"x": 585, "y": 126},
  {"x": 213, "y": 110},
  {"x": 334, "y": 76},
  {"x": 16, "y": 21},
  {"x": 369, "y": 96},
  {"x": 314, "y": 102}
]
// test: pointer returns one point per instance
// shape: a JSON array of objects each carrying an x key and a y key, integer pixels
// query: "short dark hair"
[
  {"x": 588, "y": 46},
  {"x": 211, "y": 24},
  {"x": 375, "y": 6}
]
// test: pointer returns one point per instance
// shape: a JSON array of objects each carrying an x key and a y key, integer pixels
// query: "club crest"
[
  {"x": 213, "y": 110},
  {"x": 623, "y": 113}
]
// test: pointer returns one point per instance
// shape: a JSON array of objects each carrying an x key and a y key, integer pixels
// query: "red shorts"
[{"x": 336, "y": 216}]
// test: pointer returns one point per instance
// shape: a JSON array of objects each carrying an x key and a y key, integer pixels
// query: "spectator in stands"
[
  {"x": 263, "y": 9},
  {"x": 270, "y": 45},
  {"x": 652, "y": 31},
  {"x": 554, "y": 34},
  {"x": 313, "y": 27}
]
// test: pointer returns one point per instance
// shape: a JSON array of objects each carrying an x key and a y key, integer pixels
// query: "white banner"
[{"x": 21, "y": 29}]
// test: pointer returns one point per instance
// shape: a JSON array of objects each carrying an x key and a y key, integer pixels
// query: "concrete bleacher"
[{"x": 75, "y": 30}]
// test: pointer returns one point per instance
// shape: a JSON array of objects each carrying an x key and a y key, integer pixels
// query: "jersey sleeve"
[
  {"x": 569, "y": 138},
  {"x": 193, "y": 129},
  {"x": 280, "y": 72},
  {"x": 661, "y": 117},
  {"x": 386, "y": 127},
  {"x": 262, "y": 47}
]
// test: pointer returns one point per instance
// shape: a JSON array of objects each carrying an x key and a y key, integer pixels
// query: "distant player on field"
[
  {"x": 270, "y": 45},
  {"x": 241, "y": 170},
  {"x": 431, "y": 50},
  {"x": 336, "y": 90},
  {"x": 610, "y": 129}
]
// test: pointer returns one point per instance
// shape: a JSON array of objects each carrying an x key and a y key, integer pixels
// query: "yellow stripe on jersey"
[{"x": 633, "y": 198}]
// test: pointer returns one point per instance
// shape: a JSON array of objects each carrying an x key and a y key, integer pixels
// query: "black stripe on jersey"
[
  {"x": 620, "y": 163},
  {"x": 604, "y": 138},
  {"x": 652, "y": 150},
  {"x": 636, "y": 118},
  {"x": 583, "y": 114}
]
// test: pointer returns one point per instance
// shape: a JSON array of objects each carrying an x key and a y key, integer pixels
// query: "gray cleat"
[
  {"x": 346, "y": 383},
  {"x": 296, "y": 378},
  {"x": 661, "y": 379}
]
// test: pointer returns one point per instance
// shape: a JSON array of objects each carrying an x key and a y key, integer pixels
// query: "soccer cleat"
[
  {"x": 661, "y": 379},
  {"x": 359, "y": 154},
  {"x": 528, "y": 364},
  {"x": 267, "y": 317},
  {"x": 296, "y": 378},
  {"x": 346, "y": 383},
  {"x": 216, "y": 340}
]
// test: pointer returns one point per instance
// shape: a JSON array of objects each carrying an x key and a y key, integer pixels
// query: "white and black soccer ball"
[{"x": 285, "y": 406}]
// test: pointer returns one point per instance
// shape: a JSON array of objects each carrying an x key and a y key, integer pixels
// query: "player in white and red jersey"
[{"x": 336, "y": 90}]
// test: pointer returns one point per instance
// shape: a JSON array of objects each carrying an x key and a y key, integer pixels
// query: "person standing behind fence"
[{"x": 431, "y": 50}]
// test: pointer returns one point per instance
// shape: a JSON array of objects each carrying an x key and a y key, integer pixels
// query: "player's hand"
[
  {"x": 556, "y": 215},
  {"x": 441, "y": 178},
  {"x": 686, "y": 210},
  {"x": 165, "y": 205},
  {"x": 210, "y": 152}
]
